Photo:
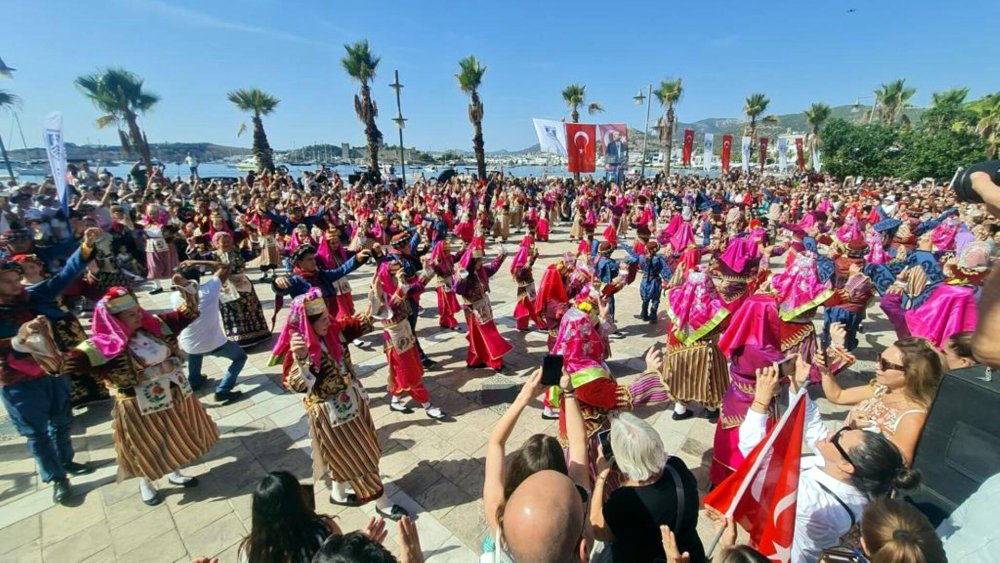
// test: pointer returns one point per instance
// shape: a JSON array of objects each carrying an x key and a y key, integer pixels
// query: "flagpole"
[{"x": 771, "y": 437}]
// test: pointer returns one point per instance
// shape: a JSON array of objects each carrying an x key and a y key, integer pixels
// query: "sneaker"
[
  {"x": 228, "y": 397},
  {"x": 61, "y": 491},
  {"x": 685, "y": 416},
  {"x": 74, "y": 468},
  {"x": 549, "y": 414},
  {"x": 434, "y": 413}
]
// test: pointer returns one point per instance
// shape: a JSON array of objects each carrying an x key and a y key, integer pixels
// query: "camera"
[{"x": 961, "y": 183}]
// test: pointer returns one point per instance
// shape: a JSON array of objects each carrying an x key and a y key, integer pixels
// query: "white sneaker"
[{"x": 434, "y": 413}]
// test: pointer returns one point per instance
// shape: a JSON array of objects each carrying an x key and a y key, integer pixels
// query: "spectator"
[
  {"x": 849, "y": 469},
  {"x": 363, "y": 547},
  {"x": 958, "y": 351},
  {"x": 284, "y": 528},
  {"x": 658, "y": 490},
  {"x": 539, "y": 453},
  {"x": 544, "y": 521},
  {"x": 907, "y": 376},
  {"x": 985, "y": 343},
  {"x": 893, "y": 531},
  {"x": 970, "y": 534},
  {"x": 204, "y": 336}
]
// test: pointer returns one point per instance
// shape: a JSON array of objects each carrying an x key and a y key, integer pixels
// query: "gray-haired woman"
[{"x": 658, "y": 490}]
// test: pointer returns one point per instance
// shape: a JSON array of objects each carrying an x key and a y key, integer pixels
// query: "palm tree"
[
  {"x": 7, "y": 100},
  {"x": 360, "y": 64},
  {"x": 119, "y": 95},
  {"x": 816, "y": 116},
  {"x": 575, "y": 95},
  {"x": 668, "y": 94},
  {"x": 470, "y": 77},
  {"x": 988, "y": 111},
  {"x": 947, "y": 111},
  {"x": 755, "y": 105},
  {"x": 892, "y": 98},
  {"x": 259, "y": 103}
]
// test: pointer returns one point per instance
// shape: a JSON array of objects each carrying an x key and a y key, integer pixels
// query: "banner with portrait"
[{"x": 614, "y": 148}]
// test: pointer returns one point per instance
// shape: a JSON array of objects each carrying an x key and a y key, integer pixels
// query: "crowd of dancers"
[{"x": 700, "y": 252}]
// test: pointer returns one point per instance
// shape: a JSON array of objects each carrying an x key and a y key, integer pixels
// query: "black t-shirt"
[{"x": 635, "y": 514}]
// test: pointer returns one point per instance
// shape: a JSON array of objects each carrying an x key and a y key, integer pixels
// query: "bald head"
[{"x": 543, "y": 520}]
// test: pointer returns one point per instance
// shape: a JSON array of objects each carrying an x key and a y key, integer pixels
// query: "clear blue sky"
[{"x": 192, "y": 52}]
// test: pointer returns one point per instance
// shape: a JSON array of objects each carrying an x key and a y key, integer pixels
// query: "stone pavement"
[{"x": 434, "y": 469}]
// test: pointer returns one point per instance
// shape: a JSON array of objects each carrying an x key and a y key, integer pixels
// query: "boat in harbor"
[{"x": 248, "y": 164}]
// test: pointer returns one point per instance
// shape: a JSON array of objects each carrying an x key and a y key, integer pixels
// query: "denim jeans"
[
  {"x": 229, "y": 350},
  {"x": 40, "y": 410}
]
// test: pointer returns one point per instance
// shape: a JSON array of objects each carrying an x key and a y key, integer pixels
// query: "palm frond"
[
  {"x": 8, "y": 100},
  {"x": 594, "y": 107},
  {"x": 470, "y": 74},
  {"x": 106, "y": 120},
  {"x": 253, "y": 100},
  {"x": 359, "y": 62}
]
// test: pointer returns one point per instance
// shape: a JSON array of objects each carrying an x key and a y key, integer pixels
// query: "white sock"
[
  {"x": 395, "y": 400},
  {"x": 383, "y": 503},
  {"x": 338, "y": 491},
  {"x": 146, "y": 489},
  {"x": 679, "y": 408}
]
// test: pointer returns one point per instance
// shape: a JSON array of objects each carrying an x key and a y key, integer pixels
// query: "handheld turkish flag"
[
  {"x": 727, "y": 149},
  {"x": 764, "y": 141},
  {"x": 582, "y": 148},
  {"x": 800, "y": 159},
  {"x": 688, "y": 146},
  {"x": 760, "y": 496}
]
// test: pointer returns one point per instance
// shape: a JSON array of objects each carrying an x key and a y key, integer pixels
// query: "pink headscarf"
[
  {"x": 798, "y": 288},
  {"x": 850, "y": 231},
  {"x": 523, "y": 254},
  {"x": 578, "y": 342},
  {"x": 943, "y": 235},
  {"x": 694, "y": 308},
  {"x": 876, "y": 248},
  {"x": 295, "y": 241},
  {"x": 682, "y": 238},
  {"x": 298, "y": 323},
  {"x": 442, "y": 260},
  {"x": 739, "y": 253},
  {"x": 110, "y": 336},
  {"x": 325, "y": 253}
]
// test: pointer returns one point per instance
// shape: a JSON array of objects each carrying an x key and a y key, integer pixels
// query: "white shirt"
[
  {"x": 205, "y": 333},
  {"x": 970, "y": 534},
  {"x": 820, "y": 519}
]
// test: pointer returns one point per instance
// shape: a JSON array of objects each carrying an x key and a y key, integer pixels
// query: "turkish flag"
[
  {"x": 763, "y": 151},
  {"x": 688, "y": 145},
  {"x": 761, "y": 495},
  {"x": 582, "y": 148},
  {"x": 727, "y": 148},
  {"x": 800, "y": 159}
]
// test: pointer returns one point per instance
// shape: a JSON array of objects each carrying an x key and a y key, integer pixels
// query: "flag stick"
[{"x": 715, "y": 543}]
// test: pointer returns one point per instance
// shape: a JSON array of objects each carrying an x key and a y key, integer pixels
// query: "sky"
[{"x": 191, "y": 53}]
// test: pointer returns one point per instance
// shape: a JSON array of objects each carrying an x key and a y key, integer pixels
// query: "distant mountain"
[{"x": 166, "y": 152}]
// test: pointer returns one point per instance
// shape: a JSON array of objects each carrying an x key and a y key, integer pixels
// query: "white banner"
[
  {"x": 551, "y": 136},
  {"x": 816, "y": 162},
  {"x": 782, "y": 154},
  {"x": 745, "y": 155},
  {"x": 709, "y": 148},
  {"x": 53, "y": 139}
]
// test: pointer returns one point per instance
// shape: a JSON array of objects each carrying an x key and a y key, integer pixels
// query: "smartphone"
[
  {"x": 309, "y": 492},
  {"x": 552, "y": 367},
  {"x": 786, "y": 367},
  {"x": 604, "y": 436}
]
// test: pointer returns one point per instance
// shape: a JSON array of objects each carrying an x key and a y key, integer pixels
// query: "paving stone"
[
  {"x": 140, "y": 531},
  {"x": 216, "y": 537},
  {"x": 78, "y": 546},
  {"x": 20, "y": 533}
]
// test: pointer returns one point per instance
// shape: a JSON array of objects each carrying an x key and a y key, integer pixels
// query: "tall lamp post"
[
  {"x": 857, "y": 106},
  {"x": 648, "y": 98},
  {"x": 400, "y": 122}
]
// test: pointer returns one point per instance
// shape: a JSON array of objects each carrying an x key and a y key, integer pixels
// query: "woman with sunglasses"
[
  {"x": 849, "y": 469},
  {"x": 897, "y": 400}
]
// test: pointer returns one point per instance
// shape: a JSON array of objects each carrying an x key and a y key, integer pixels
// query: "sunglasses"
[
  {"x": 886, "y": 365},
  {"x": 835, "y": 440}
]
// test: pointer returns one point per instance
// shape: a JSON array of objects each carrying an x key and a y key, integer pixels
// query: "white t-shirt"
[{"x": 205, "y": 333}]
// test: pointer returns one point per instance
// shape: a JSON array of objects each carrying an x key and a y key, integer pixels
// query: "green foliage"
[
  {"x": 253, "y": 100},
  {"x": 879, "y": 150}
]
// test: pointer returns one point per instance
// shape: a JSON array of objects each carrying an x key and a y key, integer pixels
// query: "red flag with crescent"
[
  {"x": 800, "y": 158},
  {"x": 764, "y": 141},
  {"x": 727, "y": 148},
  {"x": 688, "y": 146},
  {"x": 582, "y": 147},
  {"x": 761, "y": 495}
]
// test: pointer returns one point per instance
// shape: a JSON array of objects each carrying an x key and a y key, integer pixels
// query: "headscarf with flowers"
[
  {"x": 110, "y": 336},
  {"x": 695, "y": 308},
  {"x": 298, "y": 323}
]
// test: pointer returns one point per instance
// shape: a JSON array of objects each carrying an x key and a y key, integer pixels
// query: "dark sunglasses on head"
[
  {"x": 835, "y": 440},
  {"x": 886, "y": 365}
]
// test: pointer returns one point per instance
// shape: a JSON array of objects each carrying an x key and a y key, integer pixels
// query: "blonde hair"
[
  {"x": 896, "y": 532},
  {"x": 923, "y": 367}
]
